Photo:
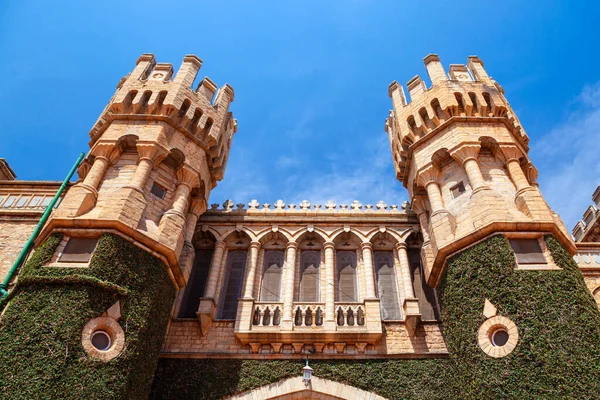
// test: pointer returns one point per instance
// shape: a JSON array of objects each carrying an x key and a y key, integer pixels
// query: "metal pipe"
[{"x": 27, "y": 248}]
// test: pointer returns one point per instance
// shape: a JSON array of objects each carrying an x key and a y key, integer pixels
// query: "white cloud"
[{"x": 567, "y": 158}]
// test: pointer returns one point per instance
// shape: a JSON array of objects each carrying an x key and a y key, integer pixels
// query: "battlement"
[
  {"x": 465, "y": 93},
  {"x": 588, "y": 229},
  {"x": 151, "y": 92},
  {"x": 306, "y": 207}
]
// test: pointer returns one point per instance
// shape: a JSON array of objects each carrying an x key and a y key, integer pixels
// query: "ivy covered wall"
[
  {"x": 558, "y": 355},
  {"x": 41, "y": 355}
]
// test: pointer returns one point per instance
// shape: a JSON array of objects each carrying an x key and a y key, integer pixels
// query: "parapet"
[
  {"x": 306, "y": 207},
  {"x": 588, "y": 229},
  {"x": 151, "y": 92},
  {"x": 467, "y": 92}
]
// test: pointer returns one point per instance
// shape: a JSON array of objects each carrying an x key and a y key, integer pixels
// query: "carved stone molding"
[
  {"x": 428, "y": 174},
  {"x": 465, "y": 151}
]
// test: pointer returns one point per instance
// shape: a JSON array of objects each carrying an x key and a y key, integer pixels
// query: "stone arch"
[
  {"x": 317, "y": 231},
  {"x": 270, "y": 233},
  {"x": 338, "y": 233},
  {"x": 295, "y": 388}
]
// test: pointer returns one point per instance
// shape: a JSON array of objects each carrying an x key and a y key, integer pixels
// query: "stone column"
[
  {"x": 510, "y": 154},
  {"x": 288, "y": 291},
  {"x": 213, "y": 272},
  {"x": 82, "y": 197},
  {"x": 419, "y": 207},
  {"x": 188, "y": 253},
  {"x": 429, "y": 178},
  {"x": 407, "y": 285},
  {"x": 367, "y": 253},
  {"x": 150, "y": 154},
  {"x": 172, "y": 223},
  {"x": 329, "y": 249},
  {"x": 208, "y": 306},
  {"x": 252, "y": 262},
  {"x": 466, "y": 155},
  {"x": 410, "y": 306}
]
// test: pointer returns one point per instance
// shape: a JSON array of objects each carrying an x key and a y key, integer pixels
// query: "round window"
[
  {"x": 101, "y": 340},
  {"x": 499, "y": 337}
]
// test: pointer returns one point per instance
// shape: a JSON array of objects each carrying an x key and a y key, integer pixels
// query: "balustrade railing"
[
  {"x": 267, "y": 314},
  {"x": 309, "y": 314},
  {"x": 350, "y": 314}
]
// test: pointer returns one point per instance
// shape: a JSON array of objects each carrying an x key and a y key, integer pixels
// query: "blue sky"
[{"x": 310, "y": 79}]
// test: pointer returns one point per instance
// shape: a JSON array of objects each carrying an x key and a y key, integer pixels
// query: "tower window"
[
  {"x": 457, "y": 190},
  {"x": 158, "y": 190},
  {"x": 78, "y": 250},
  {"x": 528, "y": 251}
]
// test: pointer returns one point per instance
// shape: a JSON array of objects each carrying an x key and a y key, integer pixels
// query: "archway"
[{"x": 295, "y": 388}]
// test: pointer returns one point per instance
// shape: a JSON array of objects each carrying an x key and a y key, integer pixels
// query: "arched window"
[
  {"x": 195, "y": 287},
  {"x": 236, "y": 265},
  {"x": 309, "y": 276},
  {"x": 270, "y": 287},
  {"x": 386, "y": 285},
  {"x": 346, "y": 277}
]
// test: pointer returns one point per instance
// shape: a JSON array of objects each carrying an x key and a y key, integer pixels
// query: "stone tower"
[
  {"x": 111, "y": 257},
  {"x": 461, "y": 152},
  {"x": 157, "y": 151}
]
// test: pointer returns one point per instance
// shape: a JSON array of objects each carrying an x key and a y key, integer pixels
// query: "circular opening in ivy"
[
  {"x": 101, "y": 340},
  {"x": 499, "y": 337}
]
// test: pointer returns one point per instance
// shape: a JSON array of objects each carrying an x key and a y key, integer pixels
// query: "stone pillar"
[
  {"x": 367, "y": 253},
  {"x": 528, "y": 199},
  {"x": 410, "y": 306},
  {"x": 429, "y": 177},
  {"x": 252, "y": 262},
  {"x": 510, "y": 154},
  {"x": 82, "y": 197},
  {"x": 188, "y": 253},
  {"x": 213, "y": 272},
  {"x": 329, "y": 323},
  {"x": 419, "y": 207},
  {"x": 208, "y": 306},
  {"x": 150, "y": 154},
  {"x": 172, "y": 223},
  {"x": 466, "y": 155},
  {"x": 442, "y": 224},
  {"x": 288, "y": 291}
]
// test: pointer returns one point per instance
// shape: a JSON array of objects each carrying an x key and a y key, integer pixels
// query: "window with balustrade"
[
  {"x": 270, "y": 288},
  {"x": 387, "y": 287},
  {"x": 310, "y": 276},
  {"x": 346, "y": 287},
  {"x": 232, "y": 289}
]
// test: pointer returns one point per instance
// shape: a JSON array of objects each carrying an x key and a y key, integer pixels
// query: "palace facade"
[{"x": 135, "y": 286}]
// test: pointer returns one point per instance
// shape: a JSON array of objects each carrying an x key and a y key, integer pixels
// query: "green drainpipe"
[{"x": 23, "y": 255}]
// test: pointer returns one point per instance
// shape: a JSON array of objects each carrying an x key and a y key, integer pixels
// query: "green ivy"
[
  {"x": 558, "y": 354},
  {"x": 41, "y": 356}
]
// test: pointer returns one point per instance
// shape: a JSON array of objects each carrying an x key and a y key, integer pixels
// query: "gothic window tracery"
[{"x": 236, "y": 266}]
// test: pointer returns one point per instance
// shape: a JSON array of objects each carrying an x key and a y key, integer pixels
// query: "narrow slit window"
[
  {"x": 457, "y": 190},
  {"x": 158, "y": 191},
  {"x": 528, "y": 251},
  {"x": 78, "y": 250}
]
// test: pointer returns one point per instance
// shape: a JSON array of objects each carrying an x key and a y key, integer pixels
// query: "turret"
[
  {"x": 462, "y": 154},
  {"x": 156, "y": 152}
]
